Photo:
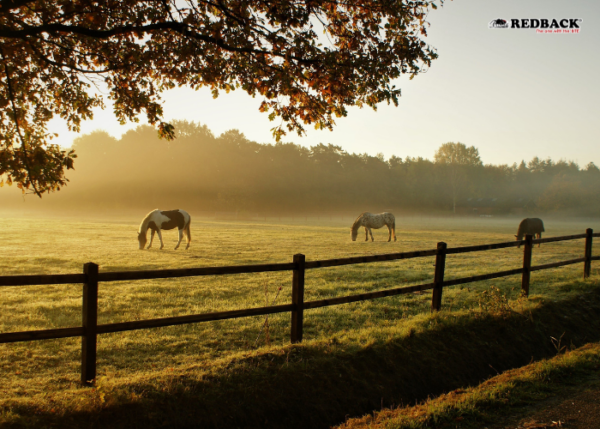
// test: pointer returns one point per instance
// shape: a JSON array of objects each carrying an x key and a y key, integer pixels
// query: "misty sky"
[{"x": 513, "y": 94}]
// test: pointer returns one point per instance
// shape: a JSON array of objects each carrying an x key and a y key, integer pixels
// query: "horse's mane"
[
  {"x": 145, "y": 222},
  {"x": 356, "y": 223}
]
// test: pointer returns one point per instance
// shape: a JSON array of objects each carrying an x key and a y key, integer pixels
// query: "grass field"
[
  {"x": 509, "y": 400},
  {"x": 47, "y": 372}
]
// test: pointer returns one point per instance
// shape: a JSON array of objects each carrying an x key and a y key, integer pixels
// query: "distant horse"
[
  {"x": 532, "y": 226},
  {"x": 370, "y": 220},
  {"x": 158, "y": 220}
]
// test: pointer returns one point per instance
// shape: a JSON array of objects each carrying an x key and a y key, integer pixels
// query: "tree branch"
[
  {"x": 177, "y": 27},
  {"x": 14, "y": 108}
]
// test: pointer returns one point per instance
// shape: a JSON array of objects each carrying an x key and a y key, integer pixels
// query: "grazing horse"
[
  {"x": 158, "y": 220},
  {"x": 532, "y": 226},
  {"x": 370, "y": 220}
]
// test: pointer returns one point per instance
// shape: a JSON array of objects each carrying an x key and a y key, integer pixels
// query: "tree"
[
  {"x": 457, "y": 157},
  {"x": 54, "y": 54},
  {"x": 592, "y": 168},
  {"x": 563, "y": 193}
]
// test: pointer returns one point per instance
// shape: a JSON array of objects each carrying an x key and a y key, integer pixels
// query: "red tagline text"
[{"x": 558, "y": 30}]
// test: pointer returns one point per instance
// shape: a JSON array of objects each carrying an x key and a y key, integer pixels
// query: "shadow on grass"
[{"x": 319, "y": 384}]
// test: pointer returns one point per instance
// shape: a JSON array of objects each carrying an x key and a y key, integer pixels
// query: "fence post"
[
  {"x": 526, "y": 264},
  {"x": 587, "y": 265},
  {"x": 90, "y": 323},
  {"x": 298, "y": 298},
  {"x": 438, "y": 278}
]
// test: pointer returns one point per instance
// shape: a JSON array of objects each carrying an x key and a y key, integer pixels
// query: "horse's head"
[
  {"x": 142, "y": 240},
  {"x": 519, "y": 238},
  {"x": 354, "y": 233}
]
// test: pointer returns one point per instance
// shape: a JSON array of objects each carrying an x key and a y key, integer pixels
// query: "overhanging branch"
[{"x": 177, "y": 27}]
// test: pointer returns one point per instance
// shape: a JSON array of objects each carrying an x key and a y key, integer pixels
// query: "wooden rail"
[
  {"x": 91, "y": 278},
  {"x": 48, "y": 279},
  {"x": 194, "y": 318},
  {"x": 367, "y": 259},
  {"x": 46, "y": 334},
  {"x": 365, "y": 296}
]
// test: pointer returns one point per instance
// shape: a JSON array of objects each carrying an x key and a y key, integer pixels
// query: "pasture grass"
[
  {"x": 43, "y": 376},
  {"x": 497, "y": 401}
]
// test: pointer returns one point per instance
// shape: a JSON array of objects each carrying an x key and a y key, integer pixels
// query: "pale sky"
[{"x": 513, "y": 94}]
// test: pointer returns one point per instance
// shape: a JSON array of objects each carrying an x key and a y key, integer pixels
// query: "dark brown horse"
[{"x": 532, "y": 226}]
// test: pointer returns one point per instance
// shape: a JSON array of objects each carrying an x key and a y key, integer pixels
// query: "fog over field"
[{"x": 234, "y": 176}]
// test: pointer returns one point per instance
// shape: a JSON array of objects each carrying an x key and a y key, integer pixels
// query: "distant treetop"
[{"x": 457, "y": 154}]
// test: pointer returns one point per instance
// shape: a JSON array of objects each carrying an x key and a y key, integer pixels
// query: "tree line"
[{"x": 200, "y": 171}]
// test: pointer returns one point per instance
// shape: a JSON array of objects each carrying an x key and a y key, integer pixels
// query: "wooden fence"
[{"x": 91, "y": 277}]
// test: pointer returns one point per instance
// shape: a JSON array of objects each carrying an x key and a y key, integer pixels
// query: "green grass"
[
  {"x": 45, "y": 374},
  {"x": 494, "y": 401}
]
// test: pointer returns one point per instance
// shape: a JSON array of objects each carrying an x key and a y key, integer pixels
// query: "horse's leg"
[
  {"x": 539, "y": 238},
  {"x": 366, "y": 234},
  {"x": 371, "y": 232},
  {"x": 189, "y": 236},
  {"x": 394, "y": 230},
  {"x": 180, "y": 237},
  {"x": 389, "y": 233},
  {"x": 160, "y": 238},
  {"x": 151, "y": 238}
]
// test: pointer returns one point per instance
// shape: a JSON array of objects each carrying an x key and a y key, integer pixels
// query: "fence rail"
[
  {"x": 91, "y": 277},
  {"x": 47, "y": 279}
]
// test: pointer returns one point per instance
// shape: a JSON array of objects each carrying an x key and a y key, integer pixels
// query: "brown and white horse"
[
  {"x": 376, "y": 221},
  {"x": 158, "y": 220}
]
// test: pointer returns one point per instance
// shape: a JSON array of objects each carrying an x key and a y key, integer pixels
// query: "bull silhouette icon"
[{"x": 498, "y": 23}]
